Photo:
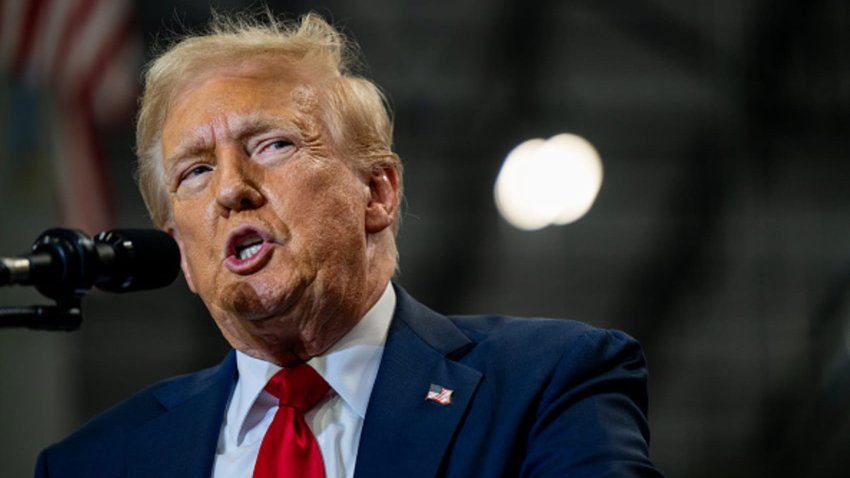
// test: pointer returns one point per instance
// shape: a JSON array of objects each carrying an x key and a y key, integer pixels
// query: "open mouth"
[{"x": 248, "y": 249}]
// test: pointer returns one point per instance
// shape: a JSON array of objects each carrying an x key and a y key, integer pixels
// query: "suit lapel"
[
  {"x": 403, "y": 433},
  {"x": 182, "y": 441}
]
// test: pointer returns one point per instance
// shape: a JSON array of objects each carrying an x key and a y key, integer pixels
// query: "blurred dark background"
[{"x": 719, "y": 239}]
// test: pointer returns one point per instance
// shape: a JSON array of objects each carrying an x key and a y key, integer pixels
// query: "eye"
[
  {"x": 279, "y": 144},
  {"x": 195, "y": 171},
  {"x": 274, "y": 146}
]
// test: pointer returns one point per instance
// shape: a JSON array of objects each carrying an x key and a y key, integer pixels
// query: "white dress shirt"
[{"x": 349, "y": 367}]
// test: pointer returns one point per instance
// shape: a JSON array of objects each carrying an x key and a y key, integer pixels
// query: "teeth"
[{"x": 249, "y": 252}]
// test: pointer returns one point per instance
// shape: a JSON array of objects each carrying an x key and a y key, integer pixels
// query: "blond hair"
[{"x": 354, "y": 111}]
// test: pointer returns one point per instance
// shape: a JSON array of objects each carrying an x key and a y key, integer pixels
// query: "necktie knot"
[
  {"x": 299, "y": 387},
  {"x": 289, "y": 447}
]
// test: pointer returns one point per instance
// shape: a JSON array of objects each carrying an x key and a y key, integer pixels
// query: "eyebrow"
[
  {"x": 247, "y": 125},
  {"x": 195, "y": 145},
  {"x": 255, "y": 123}
]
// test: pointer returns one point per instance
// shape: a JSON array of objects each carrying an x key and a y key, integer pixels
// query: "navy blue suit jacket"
[{"x": 531, "y": 397}]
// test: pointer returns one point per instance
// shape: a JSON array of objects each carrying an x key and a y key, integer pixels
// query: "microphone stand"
[
  {"x": 72, "y": 280},
  {"x": 65, "y": 315}
]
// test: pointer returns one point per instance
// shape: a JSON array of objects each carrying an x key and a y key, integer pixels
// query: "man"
[{"x": 271, "y": 166}]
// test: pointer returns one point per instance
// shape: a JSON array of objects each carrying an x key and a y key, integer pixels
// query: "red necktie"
[{"x": 289, "y": 448}]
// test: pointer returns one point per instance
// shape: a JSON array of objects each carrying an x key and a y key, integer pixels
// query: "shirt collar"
[{"x": 350, "y": 366}]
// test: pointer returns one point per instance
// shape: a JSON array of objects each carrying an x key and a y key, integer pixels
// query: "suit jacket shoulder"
[
  {"x": 537, "y": 349},
  {"x": 139, "y": 436},
  {"x": 528, "y": 397}
]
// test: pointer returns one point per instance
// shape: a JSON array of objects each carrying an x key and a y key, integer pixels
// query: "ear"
[
  {"x": 382, "y": 208},
  {"x": 172, "y": 231}
]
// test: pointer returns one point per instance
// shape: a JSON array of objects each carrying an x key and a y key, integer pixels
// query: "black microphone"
[{"x": 65, "y": 263}]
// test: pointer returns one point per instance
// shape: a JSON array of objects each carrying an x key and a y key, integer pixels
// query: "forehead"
[{"x": 227, "y": 93}]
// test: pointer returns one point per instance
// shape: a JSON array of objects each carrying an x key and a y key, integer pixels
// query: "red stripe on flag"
[
  {"x": 75, "y": 22},
  {"x": 85, "y": 194},
  {"x": 28, "y": 33},
  {"x": 112, "y": 46},
  {"x": 2, "y": 9},
  {"x": 100, "y": 203}
]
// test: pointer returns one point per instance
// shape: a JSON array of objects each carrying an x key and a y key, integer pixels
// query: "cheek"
[
  {"x": 336, "y": 214},
  {"x": 319, "y": 196},
  {"x": 191, "y": 217},
  {"x": 196, "y": 235}
]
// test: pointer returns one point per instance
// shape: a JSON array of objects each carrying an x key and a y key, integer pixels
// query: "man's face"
[{"x": 270, "y": 220}]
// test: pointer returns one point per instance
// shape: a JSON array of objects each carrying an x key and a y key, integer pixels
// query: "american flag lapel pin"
[{"x": 439, "y": 394}]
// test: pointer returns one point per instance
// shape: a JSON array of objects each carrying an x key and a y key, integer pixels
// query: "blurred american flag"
[{"x": 83, "y": 59}]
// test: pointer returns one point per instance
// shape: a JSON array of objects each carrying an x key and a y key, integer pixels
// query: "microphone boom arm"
[{"x": 43, "y": 317}]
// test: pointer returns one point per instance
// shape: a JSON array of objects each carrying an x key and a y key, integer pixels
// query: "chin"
[{"x": 259, "y": 297}]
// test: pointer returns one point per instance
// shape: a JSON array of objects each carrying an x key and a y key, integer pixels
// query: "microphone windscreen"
[{"x": 143, "y": 259}]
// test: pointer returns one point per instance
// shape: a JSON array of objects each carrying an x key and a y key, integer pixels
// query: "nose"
[{"x": 238, "y": 189}]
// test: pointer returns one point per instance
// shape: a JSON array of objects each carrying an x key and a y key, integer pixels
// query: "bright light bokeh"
[{"x": 542, "y": 183}]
